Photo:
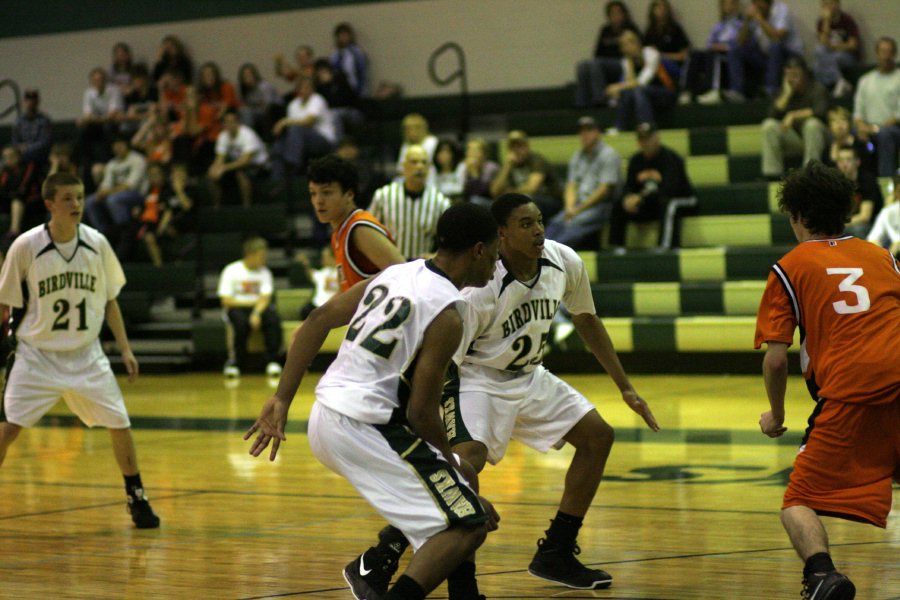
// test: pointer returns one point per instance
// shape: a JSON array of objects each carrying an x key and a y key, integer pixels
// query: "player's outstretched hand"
[
  {"x": 131, "y": 365},
  {"x": 639, "y": 405},
  {"x": 492, "y": 514},
  {"x": 270, "y": 426},
  {"x": 771, "y": 426}
]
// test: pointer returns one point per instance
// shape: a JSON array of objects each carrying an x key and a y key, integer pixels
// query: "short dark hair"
[
  {"x": 344, "y": 28},
  {"x": 463, "y": 225},
  {"x": 820, "y": 197},
  {"x": 230, "y": 111},
  {"x": 888, "y": 40},
  {"x": 503, "y": 206},
  {"x": 851, "y": 148},
  {"x": 621, "y": 6},
  {"x": 58, "y": 180},
  {"x": 334, "y": 169}
]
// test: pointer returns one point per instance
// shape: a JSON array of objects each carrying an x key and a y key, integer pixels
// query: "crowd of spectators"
[{"x": 153, "y": 139}]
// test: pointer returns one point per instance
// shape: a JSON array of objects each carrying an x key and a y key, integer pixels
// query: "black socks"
[
  {"x": 563, "y": 529},
  {"x": 405, "y": 589}
]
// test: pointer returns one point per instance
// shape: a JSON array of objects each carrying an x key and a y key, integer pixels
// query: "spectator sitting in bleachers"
[
  {"x": 304, "y": 59},
  {"x": 350, "y": 60},
  {"x": 448, "y": 179},
  {"x": 260, "y": 101},
  {"x": 122, "y": 188},
  {"x": 796, "y": 122},
  {"x": 101, "y": 109},
  {"x": 591, "y": 187},
  {"x": 876, "y": 107},
  {"x": 173, "y": 93},
  {"x": 840, "y": 134},
  {"x": 527, "y": 172},
  {"x": 410, "y": 208},
  {"x": 214, "y": 96},
  {"x": 414, "y": 129},
  {"x": 342, "y": 100},
  {"x": 666, "y": 35},
  {"x": 246, "y": 290},
  {"x": 167, "y": 212},
  {"x": 61, "y": 160},
  {"x": 646, "y": 85},
  {"x": 657, "y": 188},
  {"x": 121, "y": 67},
  {"x": 172, "y": 56},
  {"x": 177, "y": 205},
  {"x": 153, "y": 139},
  {"x": 139, "y": 100},
  {"x": 306, "y": 132},
  {"x": 20, "y": 195},
  {"x": 606, "y": 65},
  {"x": 886, "y": 230},
  {"x": 240, "y": 154},
  {"x": 145, "y": 218},
  {"x": 31, "y": 133},
  {"x": 867, "y": 199},
  {"x": 768, "y": 37},
  {"x": 478, "y": 172},
  {"x": 722, "y": 38},
  {"x": 837, "y": 48}
]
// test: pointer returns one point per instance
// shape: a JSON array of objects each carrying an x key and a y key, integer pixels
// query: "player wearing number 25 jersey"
[{"x": 844, "y": 296}]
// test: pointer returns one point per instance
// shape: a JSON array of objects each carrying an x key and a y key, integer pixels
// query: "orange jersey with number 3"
[
  {"x": 844, "y": 295},
  {"x": 352, "y": 265}
]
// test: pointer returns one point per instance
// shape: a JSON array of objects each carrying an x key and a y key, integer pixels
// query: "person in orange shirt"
[
  {"x": 844, "y": 295},
  {"x": 362, "y": 245}
]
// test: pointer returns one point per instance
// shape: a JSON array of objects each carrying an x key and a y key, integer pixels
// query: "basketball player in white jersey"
[
  {"x": 505, "y": 393},
  {"x": 61, "y": 281},
  {"x": 376, "y": 420}
]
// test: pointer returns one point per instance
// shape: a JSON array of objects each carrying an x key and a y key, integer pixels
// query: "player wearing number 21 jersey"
[{"x": 60, "y": 281}]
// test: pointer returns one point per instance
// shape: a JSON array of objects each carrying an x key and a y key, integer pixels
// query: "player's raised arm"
[{"x": 305, "y": 344}]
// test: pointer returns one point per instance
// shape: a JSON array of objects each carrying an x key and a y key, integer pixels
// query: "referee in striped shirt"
[{"x": 409, "y": 208}]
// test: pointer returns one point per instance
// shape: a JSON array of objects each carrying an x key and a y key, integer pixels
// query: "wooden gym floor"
[{"x": 688, "y": 513}]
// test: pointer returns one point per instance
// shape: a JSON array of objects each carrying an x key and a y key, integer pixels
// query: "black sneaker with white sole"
[
  {"x": 828, "y": 586},
  {"x": 369, "y": 575},
  {"x": 141, "y": 513},
  {"x": 558, "y": 564}
]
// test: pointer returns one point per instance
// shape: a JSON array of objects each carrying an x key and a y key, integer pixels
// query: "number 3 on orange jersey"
[{"x": 862, "y": 294}]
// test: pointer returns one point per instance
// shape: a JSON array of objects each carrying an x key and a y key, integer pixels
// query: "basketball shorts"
[
  {"x": 845, "y": 468},
  {"x": 403, "y": 477},
  {"x": 537, "y": 409},
  {"x": 37, "y": 379}
]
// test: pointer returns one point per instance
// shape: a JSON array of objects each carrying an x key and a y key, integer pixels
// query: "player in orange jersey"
[
  {"x": 362, "y": 245},
  {"x": 844, "y": 295}
]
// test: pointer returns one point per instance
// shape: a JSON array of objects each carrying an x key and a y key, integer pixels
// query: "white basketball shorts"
[
  {"x": 83, "y": 378},
  {"x": 538, "y": 410},
  {"x": 403, "y": 477}
]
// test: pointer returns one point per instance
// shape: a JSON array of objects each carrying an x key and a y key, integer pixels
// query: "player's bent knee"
[{"x": 474, "y": 453}]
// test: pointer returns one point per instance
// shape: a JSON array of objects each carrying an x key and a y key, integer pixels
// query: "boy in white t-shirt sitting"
[{"x": 245, "y": 290}]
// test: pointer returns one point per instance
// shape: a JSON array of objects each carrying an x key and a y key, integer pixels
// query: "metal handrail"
[
  {"x": 460, "y": 73},
  {"x": 17, "y": 104}
]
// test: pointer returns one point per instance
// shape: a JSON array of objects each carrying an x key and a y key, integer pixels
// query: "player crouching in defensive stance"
[
  {"x": 380, "y": 398},
  {"x": 504, "y": 392},
  {"x": 844, "y": 295},
  {"x": 61, "y": 281}
]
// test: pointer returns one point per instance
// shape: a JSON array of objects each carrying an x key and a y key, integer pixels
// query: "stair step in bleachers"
[
  {"x": 686, "y": 264},
  {"x": 732, "y": 298}
]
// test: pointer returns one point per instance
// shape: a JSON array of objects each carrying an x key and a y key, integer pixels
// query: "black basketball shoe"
[
  {"x": 558, "y": 563},
  {"x": 827, "y": 586},
  {"x": 141, "y": 512}
]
